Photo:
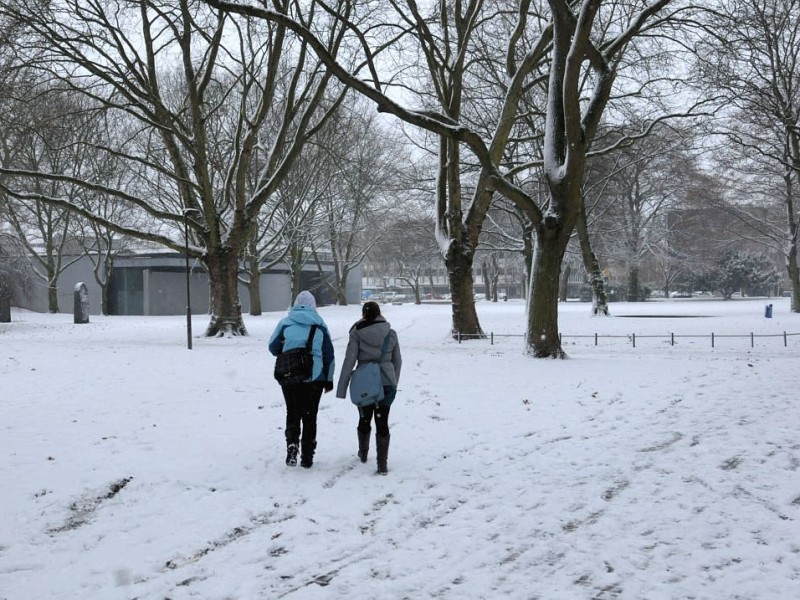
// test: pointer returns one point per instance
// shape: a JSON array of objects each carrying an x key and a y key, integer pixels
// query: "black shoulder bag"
[{"x": 295, "y": 365}]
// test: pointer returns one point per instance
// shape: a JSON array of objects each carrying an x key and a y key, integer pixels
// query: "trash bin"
[{"x": 768, "y": 311}]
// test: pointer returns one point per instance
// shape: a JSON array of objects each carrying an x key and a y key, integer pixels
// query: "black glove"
[{"x": 328, "y": 386}]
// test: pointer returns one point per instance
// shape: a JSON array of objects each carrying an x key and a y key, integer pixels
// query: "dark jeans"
[
  {"x": 379, "y": 411},
  {"x": 302, "y": 404}
]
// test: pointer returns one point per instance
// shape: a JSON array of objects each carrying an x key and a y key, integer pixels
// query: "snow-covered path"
[{"x": 133, "y": 468}]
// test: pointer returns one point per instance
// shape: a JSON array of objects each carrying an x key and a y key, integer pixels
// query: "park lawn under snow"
[{"x": 135, "y": 468}]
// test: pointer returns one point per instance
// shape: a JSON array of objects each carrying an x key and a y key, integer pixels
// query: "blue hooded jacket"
[{"x": 292, "y": 332}]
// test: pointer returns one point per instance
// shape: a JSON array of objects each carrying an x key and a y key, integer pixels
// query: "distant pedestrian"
[
  {"x": 366, "y": 344},
  {"x": 302, "y": 398}
]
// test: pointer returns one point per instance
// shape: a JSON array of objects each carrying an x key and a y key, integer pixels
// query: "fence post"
[
  {"x": 633, "y": 337},
  {"x": 595, "y": 339},
  {"x": 784, "y": 339},
  {"x": 491, "y": 338},
  {"x": 751, "y": 340},
  {"x": 459, "y": 337},
  {"x": 712, "y": 339},
  {"x": 672, "y": 339}
]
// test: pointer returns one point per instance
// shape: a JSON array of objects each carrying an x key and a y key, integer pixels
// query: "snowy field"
[{"x": 135, "y": 468}]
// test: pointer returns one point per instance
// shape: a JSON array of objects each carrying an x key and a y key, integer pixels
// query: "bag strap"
[
  {"x": 385, "y": 345},
  {"x": 310, "y": 339}
]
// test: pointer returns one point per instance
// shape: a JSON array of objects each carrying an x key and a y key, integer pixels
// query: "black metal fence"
[{"x": 632, "y": 337}]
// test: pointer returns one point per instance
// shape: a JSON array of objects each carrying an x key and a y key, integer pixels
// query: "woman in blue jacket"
[{"x": 302, "y": 399}]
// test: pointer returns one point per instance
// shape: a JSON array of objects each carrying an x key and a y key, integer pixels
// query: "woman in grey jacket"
[{"x": 366, "y": 345}]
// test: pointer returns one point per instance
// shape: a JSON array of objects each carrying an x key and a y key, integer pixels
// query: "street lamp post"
[{"x": 188, "y": 272}]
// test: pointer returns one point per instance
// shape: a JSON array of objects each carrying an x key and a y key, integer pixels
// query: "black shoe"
[
  {"x": 291, "y": 455},
  {"x": 306, "y": 462}
]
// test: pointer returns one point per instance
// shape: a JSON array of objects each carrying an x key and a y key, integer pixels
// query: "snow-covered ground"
[{"x": 135, "y": 468}]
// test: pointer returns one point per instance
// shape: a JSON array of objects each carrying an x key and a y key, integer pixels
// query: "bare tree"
[
  {"x": 200, "y": 86},
  {"x": 367, "y": 165},
  {"x": 286, "y": 226},
  {"x": 753, "y": 56},
  {"x": 45, "y": 126},
  {"x": 642, "y": 182},
  {"x": 408, "y": 252},
  {"x": 578, "y": 49}
]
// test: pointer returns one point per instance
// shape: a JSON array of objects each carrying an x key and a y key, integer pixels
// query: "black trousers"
[
  {"x": 302, "y": 405},
  {"x": 381, "y": 414}
]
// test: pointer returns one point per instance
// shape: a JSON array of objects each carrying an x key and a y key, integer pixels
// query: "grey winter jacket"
[{"x": 365, "y": 344}]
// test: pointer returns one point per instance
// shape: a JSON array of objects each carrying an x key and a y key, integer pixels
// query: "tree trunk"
[
  {"x": 459, "y": 272},
  {"x": 296, "y": 270},
  {"x": 254, "y": 292},
  {"x": 564, "y": 286},
  {"x": 254, "y": 279},
  {"x": 543, "y": 338},
  {"x": 104, "y": 300},
  {"x": 5, "y": 298},
  {"x": 223, "y": 278},
  {"x": 487, "y": 289},
  {"x": 791, "y": 258},
  {"x": 794, "y": 277},
  {"x": 633, "y": 284},
  {"x": 341, "y": 295},
  {"x": 494, "y": 278},
  {"x": 592, "y": 266},
  {"x": 52, "y": 297},
  {"x": 528, "y": 240}
]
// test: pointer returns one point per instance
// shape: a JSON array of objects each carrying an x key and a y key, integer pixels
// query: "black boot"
[
  {"x": 291, "y": 454},
  {"x": 307, "y": 455},
  {"x": 382, "y": 446},
  {"x": 363, "y": 444}
]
